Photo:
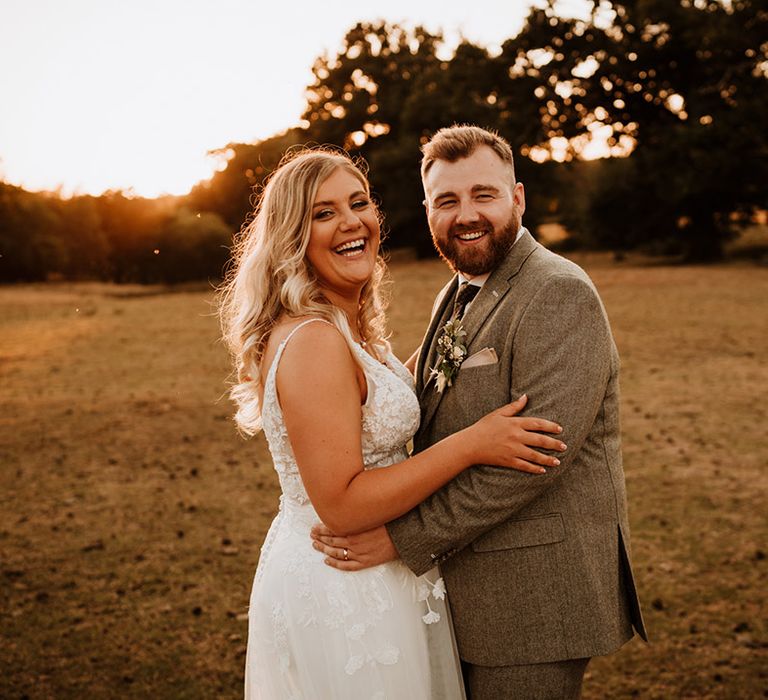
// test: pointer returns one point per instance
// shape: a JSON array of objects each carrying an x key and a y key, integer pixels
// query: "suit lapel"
[
  {"x": 497, "y": 285},
  {"x": 494, "y": 290}
]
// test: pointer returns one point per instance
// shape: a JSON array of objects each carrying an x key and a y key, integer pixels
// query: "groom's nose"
[{"x": 467, "y": 213}]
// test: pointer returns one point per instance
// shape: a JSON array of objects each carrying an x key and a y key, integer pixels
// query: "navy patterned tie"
[{"x": 467, "y": 292}]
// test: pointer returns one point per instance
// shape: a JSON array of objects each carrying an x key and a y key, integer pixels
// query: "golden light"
[{"x": 133, "y": 96}]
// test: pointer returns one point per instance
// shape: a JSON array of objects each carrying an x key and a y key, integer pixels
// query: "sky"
[{"x": 116, "y": 94}]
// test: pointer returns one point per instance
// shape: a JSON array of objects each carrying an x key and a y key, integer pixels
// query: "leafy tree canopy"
[
  {"x": 679, "y": 85},
  {"x": 683, "y": 84}
]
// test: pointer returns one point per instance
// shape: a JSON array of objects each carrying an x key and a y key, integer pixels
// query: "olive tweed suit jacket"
[{"x": 537, "y": 567}]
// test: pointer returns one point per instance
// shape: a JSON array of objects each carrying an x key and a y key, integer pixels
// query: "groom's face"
[{"x": 474, "y": 210}]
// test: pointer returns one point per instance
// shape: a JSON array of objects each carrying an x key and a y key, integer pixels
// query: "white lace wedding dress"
[{"x": 316, "y": 633}]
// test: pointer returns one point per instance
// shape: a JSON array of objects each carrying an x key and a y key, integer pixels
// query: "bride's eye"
[
  {"x": 323, "y": 214},
  {"x": 360, "y": 204}
]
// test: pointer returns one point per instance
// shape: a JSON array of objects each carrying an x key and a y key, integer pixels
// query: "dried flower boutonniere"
[{"x": 451, "y": 352}]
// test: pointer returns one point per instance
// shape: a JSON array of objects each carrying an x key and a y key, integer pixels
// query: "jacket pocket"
[{"x": 526, "y": 532}]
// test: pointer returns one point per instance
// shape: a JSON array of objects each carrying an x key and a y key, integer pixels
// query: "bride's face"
[{"x": 344, "y": 237}]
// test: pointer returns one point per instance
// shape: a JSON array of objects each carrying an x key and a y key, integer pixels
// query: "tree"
[
  {"x": 192, "y": 246},
  {"x": 685, "y": 82},
  {"x": 82, "y": 232},
  {"x": 362, "y": 100},
  {"x": 359, "y": 95},
  {"x": 230, "y": 192},
  {"x": 132, "y": 226},
  {"x": 31, "y": 246},
  {"x": 388, "y": 90}
]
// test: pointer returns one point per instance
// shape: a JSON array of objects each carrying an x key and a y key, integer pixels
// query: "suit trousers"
[{"x": 559, "y": 680}]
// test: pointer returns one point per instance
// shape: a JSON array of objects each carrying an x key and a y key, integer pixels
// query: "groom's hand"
[{"x": 355, "y": 552}]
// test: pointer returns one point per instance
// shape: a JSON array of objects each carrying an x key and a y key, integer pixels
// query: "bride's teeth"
[{"x": 350, "y": 246}]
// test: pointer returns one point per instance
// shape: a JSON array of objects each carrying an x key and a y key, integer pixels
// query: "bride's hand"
[{"x": 504, "y": 439}]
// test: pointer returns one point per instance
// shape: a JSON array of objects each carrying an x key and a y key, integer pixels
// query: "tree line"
[{"x": 679, "y": 87}]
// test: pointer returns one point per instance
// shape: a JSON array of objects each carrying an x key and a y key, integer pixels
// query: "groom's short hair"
[{"x": 460, "y": 141}]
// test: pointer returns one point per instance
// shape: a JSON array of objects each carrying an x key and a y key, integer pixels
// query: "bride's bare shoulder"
[
  {"x": 316, "y": 356},
  {"x": 283, "y": 329},
  {"x": 312, "y": 341},
  {"x": 312, "y": 327}
]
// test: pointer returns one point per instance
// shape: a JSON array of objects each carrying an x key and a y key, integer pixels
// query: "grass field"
[{"x": 131, "y": 514}]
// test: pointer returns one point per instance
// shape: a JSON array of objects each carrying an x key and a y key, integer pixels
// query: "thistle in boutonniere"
[{"x": 451, "y": 351}]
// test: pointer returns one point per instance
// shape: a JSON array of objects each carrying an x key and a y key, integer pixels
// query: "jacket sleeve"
[{"x": 563, "y": 357}]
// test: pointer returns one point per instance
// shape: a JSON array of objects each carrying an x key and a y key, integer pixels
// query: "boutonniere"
[{"x": 451, "y": 351}]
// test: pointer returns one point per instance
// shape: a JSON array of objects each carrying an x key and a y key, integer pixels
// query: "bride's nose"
[{"x": 350, "y": 221}]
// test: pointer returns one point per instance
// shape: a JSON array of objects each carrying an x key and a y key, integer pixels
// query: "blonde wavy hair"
[{"x": 271, "y": 276}]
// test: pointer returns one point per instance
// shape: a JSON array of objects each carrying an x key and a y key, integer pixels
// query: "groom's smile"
[{"x": 471, "y": 235}]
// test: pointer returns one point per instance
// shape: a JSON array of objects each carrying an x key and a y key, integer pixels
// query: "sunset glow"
[{"x": 111, "y": 95}]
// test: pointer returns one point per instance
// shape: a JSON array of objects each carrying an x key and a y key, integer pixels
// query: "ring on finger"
[{"x": 346, "y": 554}]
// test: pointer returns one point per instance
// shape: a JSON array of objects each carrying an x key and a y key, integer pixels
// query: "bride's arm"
[{"x": 320, "y": 399}]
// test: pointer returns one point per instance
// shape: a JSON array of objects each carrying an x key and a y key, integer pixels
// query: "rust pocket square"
[{"x": 486, "y": 356}]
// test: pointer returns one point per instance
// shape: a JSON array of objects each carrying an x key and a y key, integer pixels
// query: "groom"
[{"x": 536, "y": 566}]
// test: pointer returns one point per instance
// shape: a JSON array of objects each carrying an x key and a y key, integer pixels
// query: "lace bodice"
[{"x": 390, "y": 418}]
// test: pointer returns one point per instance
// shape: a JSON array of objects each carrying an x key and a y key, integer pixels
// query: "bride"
[{"x": 303, "y": 317}]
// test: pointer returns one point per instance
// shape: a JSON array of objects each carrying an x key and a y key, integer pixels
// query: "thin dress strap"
[
  {"x": 284, "y": 342},
  {"x": 301, "y": 325}
]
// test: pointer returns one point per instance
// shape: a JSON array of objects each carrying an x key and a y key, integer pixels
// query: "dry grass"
[{"x": 131, "y": 514}]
